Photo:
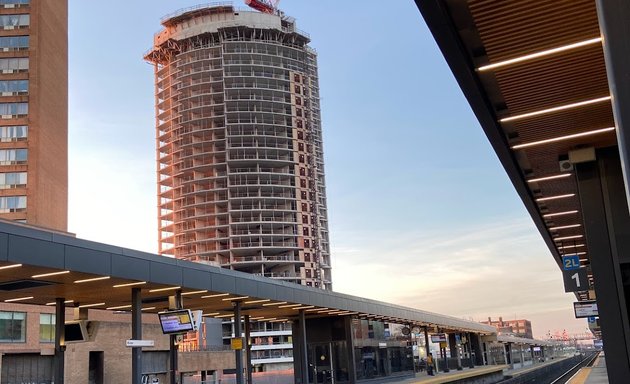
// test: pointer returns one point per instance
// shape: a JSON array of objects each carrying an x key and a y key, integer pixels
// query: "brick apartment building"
[{"x": 521, "y": 327}]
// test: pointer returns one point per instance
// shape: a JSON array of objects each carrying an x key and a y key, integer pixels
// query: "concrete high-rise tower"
[
  {"x": 34, "y": 112},
  {"x": 239, "y": 144}
]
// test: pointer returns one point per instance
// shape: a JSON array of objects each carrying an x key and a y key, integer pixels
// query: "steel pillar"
[{"x": 60, "y": 340}]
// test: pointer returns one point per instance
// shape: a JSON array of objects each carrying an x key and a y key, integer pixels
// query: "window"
[
  {"x": 12, "y": 327},
  {"x": 46, "y": 327},
  {"x": 298, "y": 89},
  {"x": 12, "y": 204},
  {"x": 13, "y": 43},
  {"x": 14, "y": 86},
  {"x": 14, "y": 21},
  {"x": 13, "y": 156},
  {"x": 296, "y": 78},
  {"x": 14, "y": 2},
  {"x": 298, "y": 100},
  {"x": 298, "y": 112},
  {"x": 16, "y": 64},
  {"x": 12, "y": 180},
  {"x": 13, "y": 109},
  {"x": 305, "y": 232},
  {"x": 300, "y": 135},
  {"x": 13, "y": 132}
]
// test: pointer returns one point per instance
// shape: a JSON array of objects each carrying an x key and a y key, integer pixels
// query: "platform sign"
[
  {"x": 237, "y": 343},
  {"x": 585, "y": 309},
  {"x": 438, "y": 338},
  {"x": 140, "y": 343},
  {"x": 570, "y": 262},
  {"x": 575, "y": 280}
]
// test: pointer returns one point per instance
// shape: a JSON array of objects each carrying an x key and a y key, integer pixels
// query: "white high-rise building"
[{"x": 239, "y": 147}]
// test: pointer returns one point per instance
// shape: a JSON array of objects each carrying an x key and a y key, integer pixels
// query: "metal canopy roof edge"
[{"x": 51, "y": 251}]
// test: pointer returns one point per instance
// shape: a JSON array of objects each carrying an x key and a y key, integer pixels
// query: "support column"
[
  {"x": 606, "y": 223},
  {"x": 177, "y": 304},
  {"x": 303, "y": 347},
  {"x": 613, "y": 18},
  {"x": 426, "y": 340},
  {"x": 60, "y": 340},
  {"x": 136, "y": 334},
  {"x": 471, "y": 353},
  {"x": 352, "y": 368},
  {"x": 248, "y": 349},
  {"x": 237, "y": 333}
]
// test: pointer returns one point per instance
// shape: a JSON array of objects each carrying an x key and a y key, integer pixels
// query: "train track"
[{"x": 571, "y": 372}]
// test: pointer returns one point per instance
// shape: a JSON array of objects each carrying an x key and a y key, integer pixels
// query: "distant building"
[{"x": 521, "y": 327}]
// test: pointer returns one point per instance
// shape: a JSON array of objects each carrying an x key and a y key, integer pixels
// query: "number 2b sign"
[{"x": 575, "y": 280}]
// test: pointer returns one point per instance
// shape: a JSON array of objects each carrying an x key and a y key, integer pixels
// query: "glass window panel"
[
  {"x": 13, "y": 108},
  {"x": 14, "y": 42},
  {"x": 46, "y": 327},
  {"x": 12, "y": 327},
  {"x": 14, "y": 86},
  {"x": 14, "y": 20}
]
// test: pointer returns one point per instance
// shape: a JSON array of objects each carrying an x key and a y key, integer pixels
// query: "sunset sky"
[{"x": 421, "y": 212}]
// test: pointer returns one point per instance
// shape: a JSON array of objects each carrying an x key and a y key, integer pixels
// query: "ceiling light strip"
[
  {"x": 215, "y": 295},
  {"x": 193, "y": 292},
  {"x": 18, "y": 299},
  {"x": 130, "y": 284},
  {"x": 118, "y": 307},
  {"x": 164, "y": 289},
  {"x": 235, "y": 298},
  {"x": 565, "y": 227},
  {"x": 10, "y": 266},
  {"x": 278, "y": 303},
  {"x": 555, "y": 197},
  {"x": 555, "y": 109},
  {"x": 92, "y": 279},
  {"x": 257, "y": 301},
  {"x": 562, "y": 138},
  {"x": 554, "y": 177},
  {"x": 539, "y": 54},
  {"x": 568, "y": 237},
  {"x": 560, "y": 213},
  {"x": 572, "y": 246},
  {"x": 65, "y": 302},
  {"x": 50, "y": 274},
  {"x": 91, "y": 305}
]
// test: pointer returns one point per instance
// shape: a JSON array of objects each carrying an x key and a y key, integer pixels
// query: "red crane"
[{"x": 264, "y": 6}]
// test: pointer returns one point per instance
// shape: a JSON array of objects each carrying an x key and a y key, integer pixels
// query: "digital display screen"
[
  {"x": 585, "y": 309},
  {"x": 179, "y": 321},
  {"x": 438, "y": 338}
]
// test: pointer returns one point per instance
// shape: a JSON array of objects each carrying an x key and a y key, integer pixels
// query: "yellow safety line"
[{"x": 581, "y": 376}]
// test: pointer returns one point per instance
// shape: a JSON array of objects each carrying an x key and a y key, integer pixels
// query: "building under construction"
[{"x": 239, "y": 149}]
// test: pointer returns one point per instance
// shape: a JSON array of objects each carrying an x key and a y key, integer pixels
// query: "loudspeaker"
[{"x": 565, "y": 166}]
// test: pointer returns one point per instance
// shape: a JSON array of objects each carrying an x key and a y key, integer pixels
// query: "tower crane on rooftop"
[{"x": 265, "y": 6}]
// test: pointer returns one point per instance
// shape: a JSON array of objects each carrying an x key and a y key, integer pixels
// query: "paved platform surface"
[{"x": 592, "y": 375}]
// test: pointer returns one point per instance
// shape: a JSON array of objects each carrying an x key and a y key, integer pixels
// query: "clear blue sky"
[{"x": 421, "y": 212}]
